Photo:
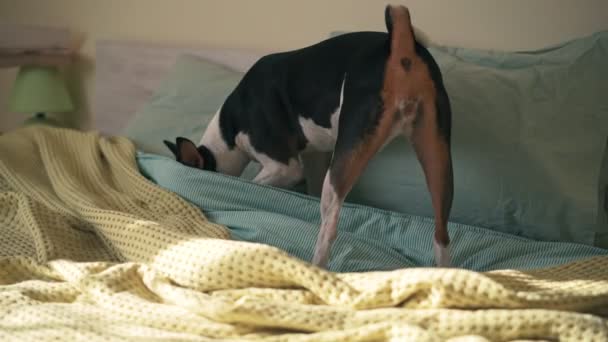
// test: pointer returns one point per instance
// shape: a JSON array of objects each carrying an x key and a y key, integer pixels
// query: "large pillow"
[
  {"x": 529, "y": 131},
  {"x": 528, "y": 137},
  {"x": 602, "y": 215},
  {"x": 183, "y": 105}
]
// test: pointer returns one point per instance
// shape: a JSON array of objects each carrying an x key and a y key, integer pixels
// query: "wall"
[{"x": 491, "y": 24}]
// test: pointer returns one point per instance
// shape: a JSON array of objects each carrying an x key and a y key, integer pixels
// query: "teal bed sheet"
[{"x": 369, "y": 239}]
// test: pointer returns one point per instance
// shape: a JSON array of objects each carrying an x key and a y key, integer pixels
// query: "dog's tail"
[{"x": 402, "y": 33}]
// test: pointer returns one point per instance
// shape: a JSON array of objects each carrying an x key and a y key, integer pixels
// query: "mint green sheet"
[{"x": 368, "y": 239}]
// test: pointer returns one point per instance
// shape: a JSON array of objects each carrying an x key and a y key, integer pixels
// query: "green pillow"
[
  {"x": 183, "y": 105},
  {"x": 602, "y": 215},
  {"x": 529, "y": 131}
]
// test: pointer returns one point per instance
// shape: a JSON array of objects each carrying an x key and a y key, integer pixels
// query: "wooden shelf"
[
  {"x": 32, "y": 45},
  {"x": 15, "y": 60}
]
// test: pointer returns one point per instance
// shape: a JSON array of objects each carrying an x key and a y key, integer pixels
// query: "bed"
[{"x": 106, "y": 237}]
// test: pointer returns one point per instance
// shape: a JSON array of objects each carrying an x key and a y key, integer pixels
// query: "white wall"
[{"x": 285, "y": 24}]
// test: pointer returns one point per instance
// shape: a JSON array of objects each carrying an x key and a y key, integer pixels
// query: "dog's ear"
[
  {"x": 171, "y": 147},
  {"x": 399, "y": 27},
  {"x": 188, "y": 154}
]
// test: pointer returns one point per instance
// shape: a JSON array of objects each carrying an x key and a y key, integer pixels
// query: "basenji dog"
[{"x": 347, "y": 97}]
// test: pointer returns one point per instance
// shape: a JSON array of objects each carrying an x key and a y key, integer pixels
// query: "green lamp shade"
[{"x": 39, "y": 90}]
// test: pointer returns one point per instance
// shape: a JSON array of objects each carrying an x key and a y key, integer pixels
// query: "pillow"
[
  {"x": 516, "y": 167},
  {"x": 528, "y": 139},
  {"x": 183, "y": 105},
  {"x": 602, "y": 212}
]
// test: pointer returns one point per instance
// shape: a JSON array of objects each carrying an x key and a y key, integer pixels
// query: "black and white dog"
[{"x": 347, "y": 97}]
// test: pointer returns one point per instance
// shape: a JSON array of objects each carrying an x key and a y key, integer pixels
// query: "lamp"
[{"x": 40, "y": 90}]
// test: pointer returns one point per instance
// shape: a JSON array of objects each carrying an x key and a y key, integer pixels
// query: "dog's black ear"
[
  {"x": 188, "y": 154},
  {"x": 171, "y": 147}
]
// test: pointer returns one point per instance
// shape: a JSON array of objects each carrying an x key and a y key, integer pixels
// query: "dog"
[{"x": 345, "y": 97}]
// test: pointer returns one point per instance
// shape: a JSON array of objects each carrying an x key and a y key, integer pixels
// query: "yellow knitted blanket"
[{"x": 90, "y": 250}]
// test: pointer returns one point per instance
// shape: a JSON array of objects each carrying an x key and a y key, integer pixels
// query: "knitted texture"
[{"x": 91, "y": 250}]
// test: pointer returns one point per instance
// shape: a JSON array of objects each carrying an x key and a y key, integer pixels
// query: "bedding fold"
[
  {"x": 91, "y": 249},
  {"x": 370, "y": 239}
]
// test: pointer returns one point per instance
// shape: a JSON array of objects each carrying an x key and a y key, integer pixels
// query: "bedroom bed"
[{"x": 105, "y": 237}]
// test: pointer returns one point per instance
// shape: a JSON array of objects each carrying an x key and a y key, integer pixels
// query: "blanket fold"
[{"x": 89, "y": 248}]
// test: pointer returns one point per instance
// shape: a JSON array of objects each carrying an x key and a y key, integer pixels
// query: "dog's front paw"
[{"x": 442, "y": 254}]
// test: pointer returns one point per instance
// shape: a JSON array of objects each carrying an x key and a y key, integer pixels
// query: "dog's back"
[
  {"x": 284, "y": 89},
  {"x": 285, "y": 94}
]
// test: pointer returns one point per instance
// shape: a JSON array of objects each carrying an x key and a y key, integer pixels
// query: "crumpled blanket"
[{"x": 91, "y": 250}]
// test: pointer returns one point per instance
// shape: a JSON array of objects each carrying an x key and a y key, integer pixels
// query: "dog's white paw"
[
  {"x": 442, "y": 254},
  {"x": 321, "y": 255}
]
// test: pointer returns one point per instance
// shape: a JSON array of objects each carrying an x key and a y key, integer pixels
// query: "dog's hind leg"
[
  {"x": 361, "y": 135},
  {"x": 331, "y": 203},
  {"x": 431, "y": 141},
  {"x": 343, "y": 172}
]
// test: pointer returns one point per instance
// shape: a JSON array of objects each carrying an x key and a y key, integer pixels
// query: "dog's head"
[{"x": 187, "y": 153}]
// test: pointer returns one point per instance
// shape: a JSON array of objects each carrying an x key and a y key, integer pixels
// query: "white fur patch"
[
  {"x": 212, "y": 138},
  {"x": 273, "y": 173},
  {"x": 230, "y": 162},
  {"x": 280, "y": 175},
  {"x": 405, "y": 123},
  {"x": 320, "y": 138},
  {"x": 409, "y": 115}
]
